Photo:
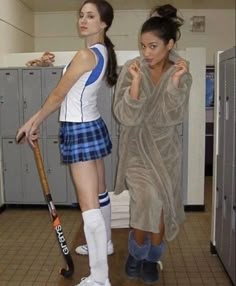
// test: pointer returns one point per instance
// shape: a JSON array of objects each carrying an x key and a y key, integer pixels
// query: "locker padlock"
[
  {"x": 49, "y": 171},
  {"x": 1, "y": 99}
]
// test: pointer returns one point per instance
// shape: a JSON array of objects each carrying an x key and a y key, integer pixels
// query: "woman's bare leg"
[
  {"x": 157, "y": 238},
  {"x": 86, "y": 180}
]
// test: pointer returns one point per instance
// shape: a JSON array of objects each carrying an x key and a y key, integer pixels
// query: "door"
[
  {"x": 9, "y": 102},
  {"x": 12, "y": 171}
]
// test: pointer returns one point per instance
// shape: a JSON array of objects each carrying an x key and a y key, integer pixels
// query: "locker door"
[
  {"x": 227, "y": 215},
  {"x": 105, "y": 104},
  {"x": 33, "y": 193},
  {"x": 114, "y": 161},
  {"x": 105, "y": 108},
  {"x": 72, "y": 197},
  {"x": 219, "y": 204},
  {"x": 9, "y": 102},
  {"x": 221, "y": 107},
  {"x": 32, "y": 91},
  {"x": 51, "y": 77},
  {"x": 233, "y": 229},
  {"x": 229, "y": 111},
  {"x": 12, "y": 176},
  {"x": 56, "y": 172}
]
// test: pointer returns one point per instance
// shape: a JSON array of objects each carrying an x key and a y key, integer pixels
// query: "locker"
[
  {"x": 31, "y": 91},
  {"x": 233, "y": 229},
  {"x": 221, "y": 109},
  {"x": 104, "y": 104},
  {"x": 56, "y": 172},
  {"x": 227, "y": 215},
  {"x": 72, "y": 196},
  {"x": 108, "y": 172},
  {"x": 225, "y": 177},
  {"x": 12, "y": 167},
  {"x": 9, "y": 102},
  {"x": 219, "y": 204},
  {"x": 229, "y": 118},
  {"x": 32, "y": 189},
  {"x": 51, "y": 77}
]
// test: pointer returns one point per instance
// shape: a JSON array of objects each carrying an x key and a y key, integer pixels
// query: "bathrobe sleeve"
[
  {"x": 174, "y": 102},
  {"x": 127, "y": 110}
]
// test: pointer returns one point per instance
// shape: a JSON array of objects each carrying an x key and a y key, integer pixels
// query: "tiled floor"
[{"x": 29, "y": 254}]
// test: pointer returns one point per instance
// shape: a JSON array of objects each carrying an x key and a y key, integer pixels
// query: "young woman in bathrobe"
[{"x": 150, "y": 102}]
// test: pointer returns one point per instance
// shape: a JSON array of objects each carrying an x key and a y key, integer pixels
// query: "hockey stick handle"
[{"x": 41, "y": 170}]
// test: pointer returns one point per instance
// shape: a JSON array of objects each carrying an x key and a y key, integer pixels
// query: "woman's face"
[
  {"x": 153, "y": 49},
  {"x": 89, "y": 21}
]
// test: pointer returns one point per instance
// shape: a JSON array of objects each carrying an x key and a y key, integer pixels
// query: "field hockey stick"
[{"x": 55, "y": 219}]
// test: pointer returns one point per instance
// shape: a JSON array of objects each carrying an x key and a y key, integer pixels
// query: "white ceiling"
[{"x": 70, "y": 5}]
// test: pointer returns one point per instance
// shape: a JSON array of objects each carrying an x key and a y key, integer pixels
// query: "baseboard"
[
  {"x": 2, "y": 208},
  {"x": 194, "y": 208},
  {"x": 213, "y": 249},
  {"x": 38, "y": 206}
]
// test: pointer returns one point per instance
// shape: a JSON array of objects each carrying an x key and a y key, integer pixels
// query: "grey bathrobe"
[{"x": 149, "y": 148}]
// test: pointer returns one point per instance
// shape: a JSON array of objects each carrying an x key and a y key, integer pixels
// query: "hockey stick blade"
[{"x": 61, "y": 239}]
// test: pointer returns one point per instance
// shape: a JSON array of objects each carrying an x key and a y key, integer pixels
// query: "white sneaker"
[
  {"x": 83, "y": 249},
  {"x": 88, "y": 281}
]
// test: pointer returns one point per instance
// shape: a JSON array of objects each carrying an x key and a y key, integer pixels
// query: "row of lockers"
[
  {"x": 226, "y": 177},
  {"x": 22, "y": 92}
]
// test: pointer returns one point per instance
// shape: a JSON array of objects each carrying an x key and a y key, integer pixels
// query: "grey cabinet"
[
  {"x": 10, "y": 109},
  {"x": 225, "y": 181},
  {"x": 12, "y": 162}
]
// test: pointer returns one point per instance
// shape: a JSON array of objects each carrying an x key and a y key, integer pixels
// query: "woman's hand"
[
  {"x": 29, "y": 131},
  {"x": 135, "y": 71},
  {"x": 181, "y": 68}
]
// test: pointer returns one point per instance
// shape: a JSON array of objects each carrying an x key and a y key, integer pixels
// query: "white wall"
[
  {"x": 57, "y": 31},
  {"x": 16, "y": 35}
]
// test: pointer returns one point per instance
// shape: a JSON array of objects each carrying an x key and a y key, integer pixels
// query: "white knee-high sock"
[
  {"x": 105, "y": 206},
  {"x": 95, "y": 233}
]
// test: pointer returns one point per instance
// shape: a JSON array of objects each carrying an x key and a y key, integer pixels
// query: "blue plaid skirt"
[{"x": 84, "y": 141}]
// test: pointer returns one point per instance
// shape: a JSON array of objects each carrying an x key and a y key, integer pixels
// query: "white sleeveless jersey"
[{"x": 80, "y": 103}]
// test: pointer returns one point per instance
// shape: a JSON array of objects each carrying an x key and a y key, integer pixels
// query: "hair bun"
[{"x": 166, "y": 11}]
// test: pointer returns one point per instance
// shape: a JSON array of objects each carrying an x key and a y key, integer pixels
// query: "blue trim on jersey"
[{"x": 98, "y": 69}]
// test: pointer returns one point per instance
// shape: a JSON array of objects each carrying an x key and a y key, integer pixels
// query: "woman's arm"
[
  {"x": 129, "y": 97},
  {"x": 83, "y": 61}
]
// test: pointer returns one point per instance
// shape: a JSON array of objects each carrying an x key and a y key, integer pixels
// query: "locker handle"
[
  {"x": 1, "y": 99},
  {"x": 7, "y": 73},
  {"x": 227, "y": 108},
  {"x": 54, "y": 72},
  {"x": 31, "y": 73},
  {"x": 234, "y": 208}
]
